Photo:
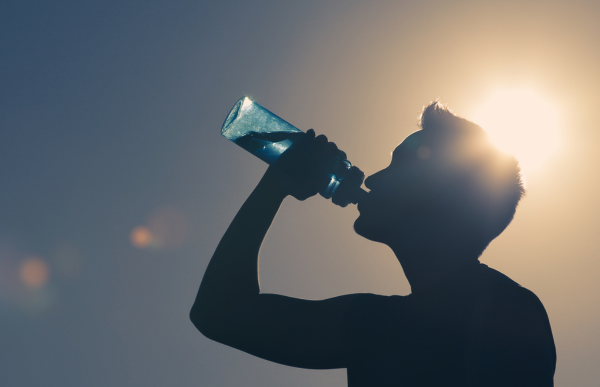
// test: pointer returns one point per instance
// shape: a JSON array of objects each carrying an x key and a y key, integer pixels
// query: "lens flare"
[
  {"x": 34, "y": 272},
  {"x": 141, "y": 237},
  {"x": 166, "y": 229},
  {"x": 522, "y": 123}
]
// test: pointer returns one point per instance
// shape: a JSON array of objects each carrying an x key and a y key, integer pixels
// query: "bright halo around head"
[{"x": 522, "y": 123}]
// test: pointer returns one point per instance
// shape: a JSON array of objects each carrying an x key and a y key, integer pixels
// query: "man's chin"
[{"x": 364, "y": 229}]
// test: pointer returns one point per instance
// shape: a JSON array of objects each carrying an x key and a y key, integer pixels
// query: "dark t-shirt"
[{"x": 476, "y": 327}]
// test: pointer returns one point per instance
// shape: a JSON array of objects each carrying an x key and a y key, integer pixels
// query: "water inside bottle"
[
  {"x": 267, "y": 136},
  {"x": 268, "y": 146}
]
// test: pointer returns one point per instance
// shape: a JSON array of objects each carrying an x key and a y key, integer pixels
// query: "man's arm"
[
  {"x": 511, "y": 342},
  {"x": 229, "y": 307}
]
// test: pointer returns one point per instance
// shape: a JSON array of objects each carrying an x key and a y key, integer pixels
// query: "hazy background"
[{"x": 110, "y": 116}]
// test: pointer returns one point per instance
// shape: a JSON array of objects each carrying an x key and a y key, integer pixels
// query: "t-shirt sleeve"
[{"x": 510, "y": 341}]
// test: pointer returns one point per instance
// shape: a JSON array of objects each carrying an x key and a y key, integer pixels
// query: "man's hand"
[
  {"x": 301, "y": 171},
  {"x": 349, "y": 190}
]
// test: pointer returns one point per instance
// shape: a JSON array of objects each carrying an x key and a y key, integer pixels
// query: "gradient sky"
[{"x": 110, "y": 116}]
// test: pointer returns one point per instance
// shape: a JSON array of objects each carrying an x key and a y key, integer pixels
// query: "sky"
[{"x": 116, "y": 184}]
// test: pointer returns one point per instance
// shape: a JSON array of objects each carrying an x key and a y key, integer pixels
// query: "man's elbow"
[{"x": 203, "y": 323}]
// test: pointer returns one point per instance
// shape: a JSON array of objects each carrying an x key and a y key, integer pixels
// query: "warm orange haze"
[
  {"x": 521, "y": 123},
  {"x": 117, "y": 184}
]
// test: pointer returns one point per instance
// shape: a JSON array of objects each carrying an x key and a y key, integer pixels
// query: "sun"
[{"x": 522, "y": 123}]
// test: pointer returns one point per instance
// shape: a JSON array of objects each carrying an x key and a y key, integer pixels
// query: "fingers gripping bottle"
[{"x": 267, "y": 136}]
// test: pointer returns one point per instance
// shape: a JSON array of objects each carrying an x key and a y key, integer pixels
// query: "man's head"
[{"x": 444, "y": 181}]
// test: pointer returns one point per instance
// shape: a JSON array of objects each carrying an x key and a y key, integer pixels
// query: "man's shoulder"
[
  {"x": 510, "y": 334},
  {"x": 497, "y": 290},
  {"x": 511, "y": 312},
  {"x": 509, "y": 299},
  {"x": 492, "y": 300},
  {"x": 489, "y": 277}
]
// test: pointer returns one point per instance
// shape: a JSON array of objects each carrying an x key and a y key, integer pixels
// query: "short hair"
[{"x": 487, "y": 183}]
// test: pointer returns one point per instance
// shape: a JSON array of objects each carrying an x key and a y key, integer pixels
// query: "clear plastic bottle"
[{"x": 267, "y": 136}]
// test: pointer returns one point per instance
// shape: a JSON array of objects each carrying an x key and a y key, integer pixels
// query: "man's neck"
[{"x": 426, "y": 262}]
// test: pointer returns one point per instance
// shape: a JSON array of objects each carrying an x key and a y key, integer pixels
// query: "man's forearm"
[{"x": 231, "y": 278}]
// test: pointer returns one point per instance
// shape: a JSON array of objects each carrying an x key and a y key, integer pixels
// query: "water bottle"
[{"x": 267, "y": 136}]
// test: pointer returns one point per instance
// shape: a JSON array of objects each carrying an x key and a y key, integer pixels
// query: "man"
[{"x": 445, "y": 196}]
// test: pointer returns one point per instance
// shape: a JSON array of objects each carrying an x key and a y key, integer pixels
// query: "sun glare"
[{"x": 522, "y": 123}]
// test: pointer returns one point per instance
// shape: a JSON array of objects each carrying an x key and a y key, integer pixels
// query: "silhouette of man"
[{"x": 445, "y": 196}]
